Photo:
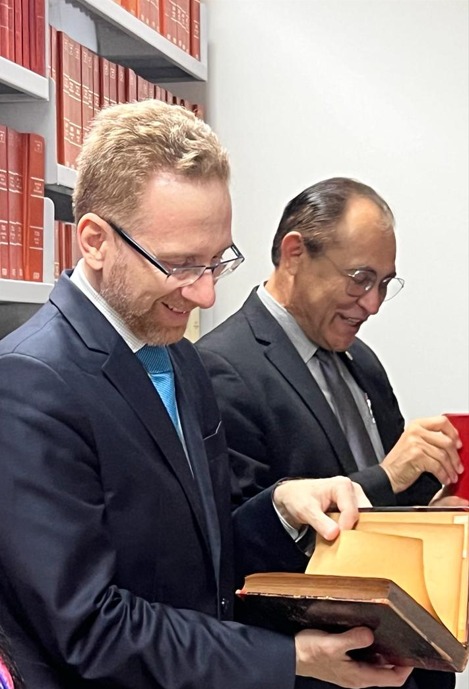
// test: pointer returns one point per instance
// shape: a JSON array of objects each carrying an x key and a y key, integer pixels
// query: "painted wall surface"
[{"x": 301, "y": 90}]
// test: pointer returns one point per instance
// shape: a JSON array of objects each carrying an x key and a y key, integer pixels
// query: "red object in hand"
[{"x": 461, "y": 423}]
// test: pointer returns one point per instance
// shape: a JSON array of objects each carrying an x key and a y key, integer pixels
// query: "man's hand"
[
  {"x": 324, "y": 656},
  {"x": 426, "y": 445},
  {"x": 306, "y": 501}
]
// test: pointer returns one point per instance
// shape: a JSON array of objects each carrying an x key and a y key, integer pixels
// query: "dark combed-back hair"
[
  {"x": 315, "y": 212},
  {"x": 7, "y": 656}
]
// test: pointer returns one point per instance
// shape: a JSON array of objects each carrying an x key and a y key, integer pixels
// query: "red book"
[
  {"x": 86, "y": 87},
  {"x": 15, "y": 203},
  {"x": 121, "y": 84},
  {"x": 130, "y": 85},
  {"x": 4, "y": 32},
  {"x": 142, "y": 88},
  {"x": 4, "y": 232},
  {"x": 131, "y": 6},
  {"x": 76, "y": 123},
  {"x": 37, "y": 36},
  {"x": 57, "y": 269},
  {"x": 183, "y": 25},
  {"x": 155, "y": 15},
  {"x": 33, "y": 239},
  {"x": 103, "y": 82},
  {"x": 25, "y": 33},
  {"x": 53, "y": 53},
  {"x": 112, "y": 83},
  {"x": 18, "y": 30},
  {"x": 96, "y": 96},
  {"x": 195, "y": 29},
  {"x": 63, "y": 99},
  {"x": 144, "y": 11}
]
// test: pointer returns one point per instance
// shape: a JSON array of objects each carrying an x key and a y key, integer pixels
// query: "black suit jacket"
[
  {"x": 116, "y": 566},
  {"x": 278, "y": 422}
]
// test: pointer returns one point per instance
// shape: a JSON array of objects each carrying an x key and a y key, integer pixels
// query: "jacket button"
[{"x": 224, "y": 605}]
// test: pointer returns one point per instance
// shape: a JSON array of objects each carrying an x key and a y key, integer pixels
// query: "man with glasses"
[
  {"x": 299, "y": 393},
  {"x": 116, "y": 557}
]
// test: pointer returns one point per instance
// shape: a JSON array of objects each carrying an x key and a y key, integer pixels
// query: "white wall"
[{"x": 300, "y": 90}]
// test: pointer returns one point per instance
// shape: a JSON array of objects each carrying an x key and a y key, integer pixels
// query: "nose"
[
  {"x": 202, "y": 291},
  {"x": 371, "y": 301}
]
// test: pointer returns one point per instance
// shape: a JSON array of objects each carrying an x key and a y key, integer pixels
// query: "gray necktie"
[{"x": 347, "y": 411}]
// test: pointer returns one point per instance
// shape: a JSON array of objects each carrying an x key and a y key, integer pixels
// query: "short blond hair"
[{"x": 128, "y": 143}]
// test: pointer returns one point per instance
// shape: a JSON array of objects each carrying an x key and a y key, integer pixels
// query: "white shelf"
[
  {"x": 19, "y": 83},
  {"x": 21, "y": 291},
  {"x": 124, "y": 39},
  {"x": 24, "y": 292}
]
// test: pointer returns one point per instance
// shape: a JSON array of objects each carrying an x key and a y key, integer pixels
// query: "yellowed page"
[
  {"x": 365, "y": 554},
  {"x": 442, "y": 557}
]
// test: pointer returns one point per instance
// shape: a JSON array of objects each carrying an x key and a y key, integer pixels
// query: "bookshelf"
[{"x": 28, "y": 101}]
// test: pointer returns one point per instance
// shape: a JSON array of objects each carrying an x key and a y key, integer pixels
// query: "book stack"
[
  {"x": 176, "y": 20},
  {"x": 22, "y": 33},
  {"x": 22, "y": 162},
  {"x": 87, "y": 82}
]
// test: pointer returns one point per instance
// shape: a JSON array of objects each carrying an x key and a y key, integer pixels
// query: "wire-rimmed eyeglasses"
[
  {"x": 362, "y": 280},
  {"x": 185, "y": 275}
]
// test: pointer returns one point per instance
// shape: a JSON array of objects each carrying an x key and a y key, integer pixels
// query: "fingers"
[
  {"x": 426, "y": 445},
  {"x": 306, "y": 501},
  {"x": 326, "y": 657}
]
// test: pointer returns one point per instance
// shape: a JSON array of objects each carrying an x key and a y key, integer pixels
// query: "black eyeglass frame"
[
  {"x": 174, "y": 271},
  {"x": 363, "y": 289}
]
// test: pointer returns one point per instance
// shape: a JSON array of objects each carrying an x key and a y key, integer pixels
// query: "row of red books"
[
  {"x": 176, "y": 20},
  {"x": 21, "y": 205},
  {"x": 23, "y": 33},
  {"x": 66, "y": 251},
  {"x": 85, "y": 83}
]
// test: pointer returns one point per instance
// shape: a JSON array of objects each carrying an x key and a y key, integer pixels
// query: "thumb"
[{"x": 358, "y": 637}]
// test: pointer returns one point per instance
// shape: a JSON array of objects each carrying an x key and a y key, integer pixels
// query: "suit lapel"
[
  {"x": 281, "y": 353},
  {"x": 128, "y": 376}
]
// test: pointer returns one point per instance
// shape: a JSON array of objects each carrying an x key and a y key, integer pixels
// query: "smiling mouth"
[
  {"x": 181, "y": 312},
  {"x": 353, "y": 321}
]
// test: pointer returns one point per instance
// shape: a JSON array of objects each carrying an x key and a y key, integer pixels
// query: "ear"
[
  {"x": 292, "y": 249},
  {"x": 94, "y": 238}
]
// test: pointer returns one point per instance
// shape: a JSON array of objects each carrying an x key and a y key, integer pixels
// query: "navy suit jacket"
[
  {"x": 278, "y": 422},
  {"x": 116, "y": 565}
]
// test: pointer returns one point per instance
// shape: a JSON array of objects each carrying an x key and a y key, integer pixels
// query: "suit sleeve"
[{"x": 58, "y": 562}]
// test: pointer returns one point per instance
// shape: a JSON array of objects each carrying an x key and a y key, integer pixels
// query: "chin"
[{"x": 165, "y": 336}]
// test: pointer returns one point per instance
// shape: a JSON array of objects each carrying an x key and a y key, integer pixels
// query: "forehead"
[
  {"x": 365, "y": 234},
  {"x": 182, "y": 213}
]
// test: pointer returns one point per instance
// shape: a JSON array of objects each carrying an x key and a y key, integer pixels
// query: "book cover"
[
  {"x": 4, "y": 231},
  {"x": 404, "y": 574},
  {"x": 33, "y": 242}
]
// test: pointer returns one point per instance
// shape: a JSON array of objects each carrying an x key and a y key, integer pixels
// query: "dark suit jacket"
[
  {"x": 116, "y": 566},
  {"x": 278, "y": 422}
]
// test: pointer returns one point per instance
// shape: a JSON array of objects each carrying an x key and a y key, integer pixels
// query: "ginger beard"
[{"x": 150, "y": 318}]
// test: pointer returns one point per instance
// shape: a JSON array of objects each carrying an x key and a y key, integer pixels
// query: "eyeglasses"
[
  {"x": 186, "y": 275},
  {"x": 363, "y": 280}
]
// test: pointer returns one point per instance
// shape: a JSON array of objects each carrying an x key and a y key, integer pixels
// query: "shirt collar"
[
  {"x": 304, "y": 346},
  {"x": 79, "y": 279}
]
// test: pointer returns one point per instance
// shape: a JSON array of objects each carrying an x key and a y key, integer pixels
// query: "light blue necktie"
[{"x": 157, "y": 363}]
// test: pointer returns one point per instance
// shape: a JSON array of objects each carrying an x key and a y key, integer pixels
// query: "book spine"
[
  {"x": 130, "y": 85},
  {"x": 33, "y": 244},
  {"x": 112, "y": 83},
  {"x": 76, "y": 124},
  {"x": 96, "y": 83},
  {"x": 195, "y": 29},
  {"x": 15, "y": 203},
  {"x": 4, "y": 230},
  {"x": 86, "y": 88},
  {"x": 18, "y": 29},
  {"x": 4, "y": 33},
  {"x": 104, "y": 95},
  {"x": 121, "y": 98},
  {"x": 25, "y": 27}
]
